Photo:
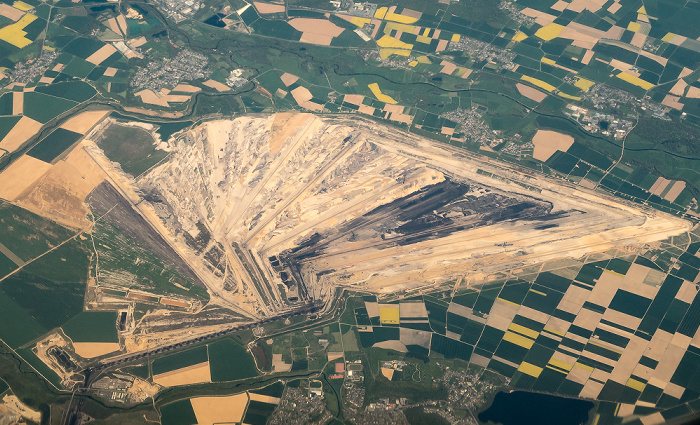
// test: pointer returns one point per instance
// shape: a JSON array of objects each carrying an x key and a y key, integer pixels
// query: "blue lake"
[{"x": 525, "y": 408}]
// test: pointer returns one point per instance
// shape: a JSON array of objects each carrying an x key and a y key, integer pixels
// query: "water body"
[{"x": 525, "y": 408}]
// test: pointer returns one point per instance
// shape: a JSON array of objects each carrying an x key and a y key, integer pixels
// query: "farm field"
[
  {"x": 252, "y": 407},
  {"x": 230, "y": 361}
]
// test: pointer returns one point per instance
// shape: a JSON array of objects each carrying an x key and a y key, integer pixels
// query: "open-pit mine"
[{"x": 273, "y": 211}]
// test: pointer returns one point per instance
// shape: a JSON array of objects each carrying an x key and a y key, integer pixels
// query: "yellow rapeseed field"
[
  {"x": 15, "y": 34},
  {"x": 635, "y": 80},
  {"x": 549, "y": 32},
  {"x": 538, "y": 83}
]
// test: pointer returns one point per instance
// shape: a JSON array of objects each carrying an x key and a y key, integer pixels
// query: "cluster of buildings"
[
  {"x": 480, "y": 52},
  {"x": 365, "y": 10},
  {"x": 603, "y": 96},
  {"x": 113, "y": 387},
  {"x": 26, "y": 72},
  {"x": 515, "y": 13},
  {"x": 296, "y": 408},
  {"x": 593, "y": 122},
  {"x": 473, "y": 127},
  {"x": 179, "y": 10},
  {"x": 186, "y": 66},
  {"x": 236, "y": 79}
]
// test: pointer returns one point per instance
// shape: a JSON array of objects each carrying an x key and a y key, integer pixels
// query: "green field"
[
  {"x": 54, "y": 144},
  {"x": 92, "y": 326},
  {"x": 179, "y": 360},
  {"x": 44, "y": 108},
  {"x": 17, "y": 326},
  {"x": 178, "y": 413},
  {"x": 229, "y": 361},
  {"x": 131, "y": 147},
  {"x": 26, "y": 234}
]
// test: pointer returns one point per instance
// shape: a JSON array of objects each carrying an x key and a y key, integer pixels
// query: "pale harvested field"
[
  {"x": 110, "y": 72},
  {"x": 88, "y": 350},
  {"x": 679, "y": 88},
  {"x": 268, "y": 7},
  {"x": 356, "y": 99},
  {"x": 148, "y": 96},
  {"x": 194, "y": 374},
  {"x": 83, "y": 122},
  {"x": 614, "y": 8},
  {"x": 263, "y": 398},
  {"x": 672, "y": 102},
  {"x": 219, "y": 410},
  {"x": 217, "y": 85},
  {"x": 288, "y": 79},
  {"x": 20, "y": 175},
  {"x": 17, "y": 103},
  {"x": 388, "y": 373},
  {"x": 693, "y": 92},
  {"x": 137, "y": 42},
  {"x": 547, "y": 142},
  {"x": 278, "y": 365},
  {"x": 415, "y": 337},
  {"x": 20, "y": 133},
  {"x": 10, "y": 12},
  {"x": 409, "y": 309},
  {"x": 392, "y": 345},
  {"x": 659, "y": 186},
  {"x": 303, "y": 97},
  {"x": 316, "y": 26},
  {"x": 103, "y": 53},
  {"x": 559, "y": 6},
  {"x": 121, "y": 20},
  {"x": 316, "y": 31},
  {"x": 447, "y": 67},
  {"x": 531, "y": 92},
  {"x": 187, "y": 88},
  {"x": 112, "y": 24},
  {"x": 60, "y": 193},
  {"x": 366, "y": 109},
  {"x": 675, "y": 190}
]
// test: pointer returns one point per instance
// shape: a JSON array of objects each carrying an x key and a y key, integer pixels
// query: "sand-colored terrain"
[
  {"x": 531, "y": 92},
  {"x": 316, "y": 31},
  {"x": 88, "y": 350},
  {"x": 100, "y": 55},
  {"x": 221, "y": 87},
  {"x": 265, "y": 8},
  {"x": 14, "y": 405},
  {"x": 10, "y": 12},
  {"x": 288, "y": 79},
  {"x": 20, "y": 133},
  {"x": 60, "y": 193},
  {"x": 547, "y": 142},
  {"x": 219, "y": 410},
  {"x": 194, "y": 374},
  {"x": 83, "y": 122},
  {"x": 20, "y": 175},
  {"x": 264, "y": 398}
]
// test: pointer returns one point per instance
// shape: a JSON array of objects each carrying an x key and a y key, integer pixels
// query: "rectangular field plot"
[
  {"x": 180, "y": 360},
  {"x": 92, "y": 326},
  {"x": 54, "y": 144},
  {"x": 229, "y": 361}
]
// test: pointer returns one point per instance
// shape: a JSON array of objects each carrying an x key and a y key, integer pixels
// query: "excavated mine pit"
[{"x": 276, "y": 210}]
